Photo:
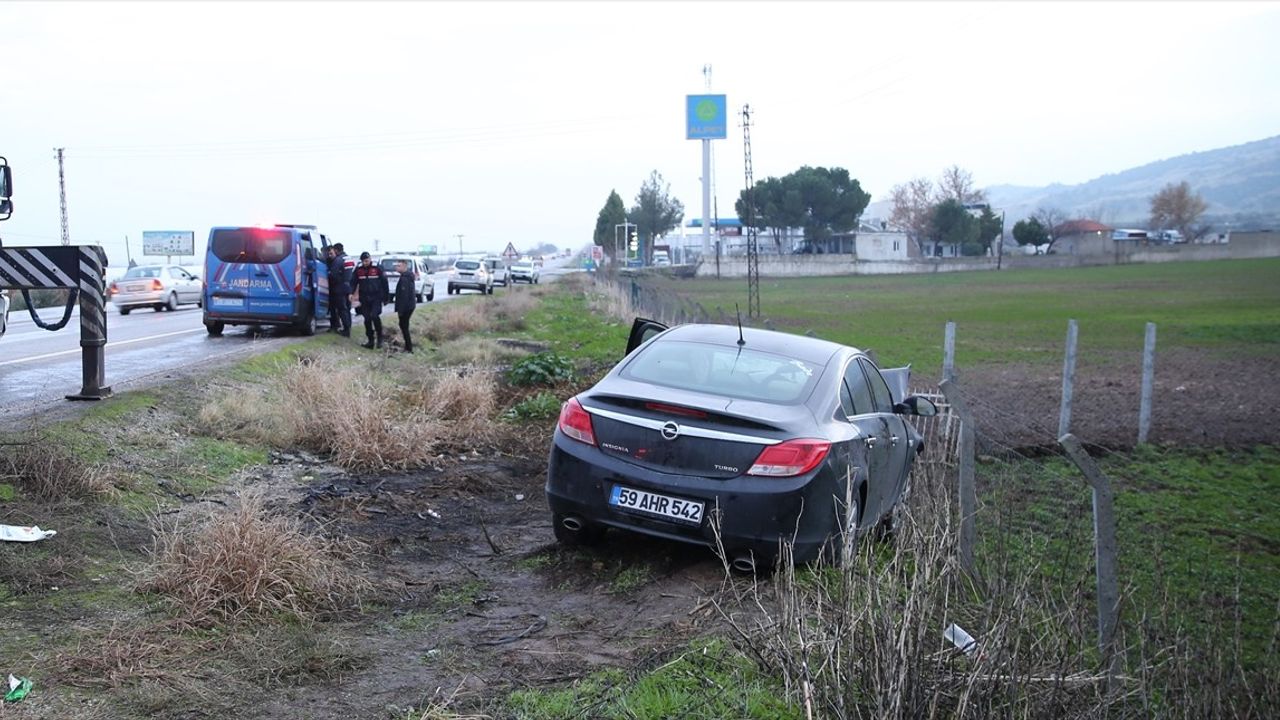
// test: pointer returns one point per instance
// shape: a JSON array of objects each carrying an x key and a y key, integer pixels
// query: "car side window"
[
  {"x": 846, "y": 400},
  {"x": 859, "y": 392},
  {"x": 879, "y": 388},
  {"x": 177, "y": 274}
]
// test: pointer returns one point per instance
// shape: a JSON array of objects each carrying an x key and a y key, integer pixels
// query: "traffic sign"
[{"x": 510, "y": 252}]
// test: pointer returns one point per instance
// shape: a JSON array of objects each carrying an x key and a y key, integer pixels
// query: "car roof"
[{"x": 800, "y": 347}]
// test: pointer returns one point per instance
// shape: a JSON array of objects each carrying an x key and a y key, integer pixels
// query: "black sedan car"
[{"x": 768, "y": 431}]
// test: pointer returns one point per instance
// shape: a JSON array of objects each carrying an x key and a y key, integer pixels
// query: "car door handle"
[
  {"x": 893, "y": 440},
  {"x": 871, "y": 441}
]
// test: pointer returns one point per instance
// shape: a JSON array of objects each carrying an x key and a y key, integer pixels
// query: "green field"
[{"x": 1232, "y": 306}]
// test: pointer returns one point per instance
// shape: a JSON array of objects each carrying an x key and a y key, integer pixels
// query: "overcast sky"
[{"x": 414, "y": 122}]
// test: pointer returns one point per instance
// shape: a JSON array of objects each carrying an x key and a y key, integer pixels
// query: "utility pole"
[
  {"x": 753, "y": 254},
  {"x": 62, "y": 198},
  {"x": 459, "y": 236}
]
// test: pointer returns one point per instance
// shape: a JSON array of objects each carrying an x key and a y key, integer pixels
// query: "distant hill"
[{"x": 1240, "y": 183}]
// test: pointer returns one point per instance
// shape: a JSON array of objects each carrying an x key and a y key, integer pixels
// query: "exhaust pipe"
[
  {"x": 572, "y": 523},
  {"x": 744, "y": 564}
]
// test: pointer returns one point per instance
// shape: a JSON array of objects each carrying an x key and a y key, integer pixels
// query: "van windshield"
[{"x": 251, "y": 245}]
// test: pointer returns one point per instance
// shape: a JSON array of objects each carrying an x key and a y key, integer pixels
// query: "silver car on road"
[{"x": 162, "y": 287}]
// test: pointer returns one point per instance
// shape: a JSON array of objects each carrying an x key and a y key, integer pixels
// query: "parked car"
[
  {"x": 524, "y": 271},
  {"x": 498, "y": 268},
  {"x": 771, "y": 430},
  {"x": 162, "y": 287},
  {"x": 470, "y": 275},
  {"x": 423, "y": 286}
]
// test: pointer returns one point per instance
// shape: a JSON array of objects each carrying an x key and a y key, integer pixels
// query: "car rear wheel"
[
  {"x": 214, "y": 327},
  {"x": 585, "y": 534},
  {"x": 125, "y": 310},
  {"x": 490, "y": 291},
  {"x": 843, "y": 542},
  {"x": 308, "y": 326},
  {"x": 172, "y": 303},
  {"x": 417, "y": 298}
]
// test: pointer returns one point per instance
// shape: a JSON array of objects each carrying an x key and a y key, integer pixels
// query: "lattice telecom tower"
[
  {"x": 753, "y": 250},
  {"x": 62, "y": 199}
]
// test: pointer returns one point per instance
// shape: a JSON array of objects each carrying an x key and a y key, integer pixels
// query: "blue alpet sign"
[{"x": 706, "y": 117}]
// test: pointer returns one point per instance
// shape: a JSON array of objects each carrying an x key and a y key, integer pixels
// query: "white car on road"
[{"x": 162, "y": 287}]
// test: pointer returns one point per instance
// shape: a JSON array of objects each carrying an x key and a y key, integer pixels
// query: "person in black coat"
[
  {"x": 339, "y": 289},
  {"x": 370, "y": 286},
  {"x": 406, "y": 300}
]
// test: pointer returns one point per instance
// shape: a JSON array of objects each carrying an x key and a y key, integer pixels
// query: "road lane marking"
[{"x": 109, "y": 345}]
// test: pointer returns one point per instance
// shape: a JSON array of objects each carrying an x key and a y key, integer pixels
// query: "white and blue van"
[{"x": 272, "y": 275}]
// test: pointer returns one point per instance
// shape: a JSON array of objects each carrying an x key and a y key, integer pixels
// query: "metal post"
[
  {"x": 1148, "y": 377},
  {"x": 949, "y": 352},
  {"x": 93, "y": 325},
  {"x": 1104, "y": 538},
  {"x": 706, "y": 196},
  {"x": 968, "y": 494},
  {"x": 1068, "y": 379}
]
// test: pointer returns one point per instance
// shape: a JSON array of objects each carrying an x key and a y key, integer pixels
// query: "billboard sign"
[
  {"x": 168, "y": 242},
  {"x": 706, "y": 117},
  {"x": 427, "y": 249}
]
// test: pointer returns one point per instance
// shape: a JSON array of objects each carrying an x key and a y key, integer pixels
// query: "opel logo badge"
[{"x": 671, "y": 431}]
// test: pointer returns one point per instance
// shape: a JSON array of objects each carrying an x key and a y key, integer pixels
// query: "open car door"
[
  {"x": 641, "y": 330},
  {"x": 899, "y": 380}
]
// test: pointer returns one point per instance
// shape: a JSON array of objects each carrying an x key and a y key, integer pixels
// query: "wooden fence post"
[
  {"x": 1104, "y": 542},
  {"x": 1148, "y": 377},
  {"x": 1068, "y": 379},
  {"x": 968, "y": 495},
  {"x": 949, "y": 352}
]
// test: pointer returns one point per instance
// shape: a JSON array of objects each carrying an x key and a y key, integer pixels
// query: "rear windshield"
[
  {"x": 389, "y": 265},
  {"x": 251, "y": 245},
  {"x": 467, "y": 265},
  {"x": 142, "y": 272},
  {"x": 721, "y": 370}
]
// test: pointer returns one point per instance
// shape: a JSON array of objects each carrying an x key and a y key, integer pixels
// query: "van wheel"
[
  {"x": 308, "y": 327},
  {"x": 418, "y": 297},
  {"x": 172, "y": 303},
  {"x": 214, "y": 327},
  {"x": 490, "y": 289},
  {"x": 125, "y": 310}
]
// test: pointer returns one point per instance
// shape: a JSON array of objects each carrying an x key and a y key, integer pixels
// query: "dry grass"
[
  {"x": 244, "y": 563},
  {"x": 455, "y": 320},
  {"x": 476, "y": 352},
  {"x": 507, "y": 312},
  {"x": 48, "y": 472}
]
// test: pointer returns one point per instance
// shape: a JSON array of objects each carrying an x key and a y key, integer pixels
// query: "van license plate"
[
  {"x": 228, "y": 302},
  {"x": 664, "y": 506}
]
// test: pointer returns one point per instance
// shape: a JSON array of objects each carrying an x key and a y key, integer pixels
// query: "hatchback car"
[
  {"x": 781, "y": 437},
  {"x": 424, "y": 287},
  {"x": 524, "y": 271},
  {"x": 163, "y": 287},
  {"x": 470, "y": 275}
]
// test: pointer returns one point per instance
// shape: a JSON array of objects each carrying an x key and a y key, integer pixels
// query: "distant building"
[{"x": 1083, "y": 237}]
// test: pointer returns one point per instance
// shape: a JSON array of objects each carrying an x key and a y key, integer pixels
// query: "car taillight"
[
  {"x": 576, "y": 423},
  {"x": 674, "y": 410},
  {"x": 790, "y": 458},
  {"x": 112, "y": 289},
  {"x": 156, "y": 284}
]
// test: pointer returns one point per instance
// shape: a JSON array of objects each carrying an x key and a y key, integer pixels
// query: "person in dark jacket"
[
  {"x": 370, "y": 286},
  {"x": 339, "y": 289},
  {"x": 406, "y": 300}
]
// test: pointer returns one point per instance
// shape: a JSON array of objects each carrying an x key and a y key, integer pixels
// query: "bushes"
[
  {"x": 43, "y": 469},
  {"x": 544, "y": 368},
  {"x": 243, "y": 562}
]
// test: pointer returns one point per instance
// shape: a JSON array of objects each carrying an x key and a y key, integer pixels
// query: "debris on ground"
[{"x": 18, "y": 533}]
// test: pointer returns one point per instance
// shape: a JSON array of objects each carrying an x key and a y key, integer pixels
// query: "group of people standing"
[{"x": 367, "y": 283}]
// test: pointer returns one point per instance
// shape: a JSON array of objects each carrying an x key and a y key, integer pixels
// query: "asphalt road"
[{"x": 38, "y": 367}]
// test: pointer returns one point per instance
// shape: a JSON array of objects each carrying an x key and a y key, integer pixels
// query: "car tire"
[
  {"x": 172, "y": 303},
  {"x": 590, "y": 535},
  {"x": 214, "y": 327},
  {"x": 833, "y": 552},
  {"x": 125, "y": 310},
  {"x": 308, "y": 326},
  {"x": 490, "y": 290},
  {"x": 449, "y": 290},
  {"x": 417, "y": 298},
  {"x": 893, "y": 521}
]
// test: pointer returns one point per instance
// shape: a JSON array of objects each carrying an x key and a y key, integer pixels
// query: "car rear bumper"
[
  {"x": 755, "y": 512},
  {"x": 135, "y": 299}
]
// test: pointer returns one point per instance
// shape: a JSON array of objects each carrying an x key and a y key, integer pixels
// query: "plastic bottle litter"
[
  {"x": 18, "y": 689},
  {"x": 961, "y": 639},
  {"x": 18, "y": 533}
]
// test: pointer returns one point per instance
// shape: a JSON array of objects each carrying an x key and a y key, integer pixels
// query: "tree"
[
  {"x": 612, "y": 214},
  {"x": 1030, "y": 232},
  {"x": 1177, "y": 207},
  {"x": 990, "y": 227},
  {"x": 913, "y": 204},
  {"x": 952, "y": 223},
  {"x": 1050, "y": 219},
  {"x": 820, "y": 200},
  {"x": 655, "y": 212},
  {"x": 956, "y": 184}
]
